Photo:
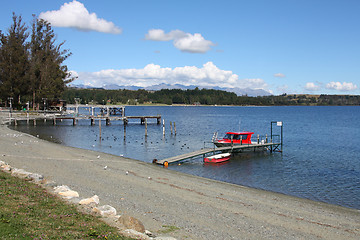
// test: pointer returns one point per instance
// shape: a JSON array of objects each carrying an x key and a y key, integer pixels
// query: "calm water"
[{"x": 320, "y": 161}]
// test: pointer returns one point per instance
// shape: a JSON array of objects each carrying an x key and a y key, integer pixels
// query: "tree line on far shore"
[
  {"x": 201, "y": 97},
  {"x": 31, "y": 69}
]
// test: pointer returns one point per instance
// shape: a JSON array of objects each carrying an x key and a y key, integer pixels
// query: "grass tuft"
[{"x": 168, "y": 229}]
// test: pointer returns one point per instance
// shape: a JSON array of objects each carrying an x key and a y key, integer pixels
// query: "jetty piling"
[
  {"x": 146, "y": 128},
  {"x": 100, "y": 128},
  {"x": 163, "y": 127}
]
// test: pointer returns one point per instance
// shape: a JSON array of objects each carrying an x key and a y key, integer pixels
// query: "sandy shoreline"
[{"x": 200, "y": 208}]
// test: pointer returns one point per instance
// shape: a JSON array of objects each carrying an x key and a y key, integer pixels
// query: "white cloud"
[
  {"x": 310, "y": 86},
  {"x": 345, "y": 86},
  {"x": 279, "y": 75},
  {"x": 75, "y": 15},
  {"x": 160, "y": 35},
  {"x": 208, "y": 75},
  {"x": 186, "y": 42}
]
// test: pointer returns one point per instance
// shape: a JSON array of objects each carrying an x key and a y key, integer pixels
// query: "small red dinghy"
[{"x": 218, "y": 158}]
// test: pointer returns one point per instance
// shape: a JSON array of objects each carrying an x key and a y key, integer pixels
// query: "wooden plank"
[{"x": 186, "y": 156}]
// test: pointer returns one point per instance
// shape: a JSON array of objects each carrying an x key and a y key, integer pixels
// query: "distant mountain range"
[{"x": 238, "y": 91}]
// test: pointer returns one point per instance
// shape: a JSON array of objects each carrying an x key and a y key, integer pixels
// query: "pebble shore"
[{"x": 170, "y": 204}]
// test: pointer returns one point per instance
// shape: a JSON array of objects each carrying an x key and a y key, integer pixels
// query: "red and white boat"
[
  {"x": 222, "y": 157},
  {"x": 234, "y": 138}
]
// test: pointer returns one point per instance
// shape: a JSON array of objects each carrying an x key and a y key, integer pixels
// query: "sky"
[{"x": 279, "y": 46}]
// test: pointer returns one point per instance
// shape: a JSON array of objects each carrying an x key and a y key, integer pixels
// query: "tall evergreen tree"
[
  {"x": 14, "y": 62},
  {"x": 48, "y": 74}
]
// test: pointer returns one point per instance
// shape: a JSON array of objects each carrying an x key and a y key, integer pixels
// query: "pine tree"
[
  {"x": 48, "y": 74},
  {"x": 14, "y": 62}
]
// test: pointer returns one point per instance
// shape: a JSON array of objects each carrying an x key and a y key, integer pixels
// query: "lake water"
[{"x": 320, "y": 159}]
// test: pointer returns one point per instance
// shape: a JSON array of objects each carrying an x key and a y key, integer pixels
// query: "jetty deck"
[
  {"x": 92, "y": 118},
  {"x": 204, "y": 151}
]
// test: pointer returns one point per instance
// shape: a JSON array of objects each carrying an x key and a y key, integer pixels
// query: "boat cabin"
[{"x": 236, "y": 137}]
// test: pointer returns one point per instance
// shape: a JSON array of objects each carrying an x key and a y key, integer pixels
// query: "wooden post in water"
[
  {"x": 15, "y": 122},
  {"x": 27, "y": 117},
  {"x": 163, "y": 127},
  {"x": 34, "y": 121},
  {"x": 175, "y": 128},
  {"x": 100, "y": 128},
  {"x": 54, "y": 120},
  {"x": 171, "y": 129},
  {"x": 124, "y": 130},
  {"x": 146, "y": 127}
]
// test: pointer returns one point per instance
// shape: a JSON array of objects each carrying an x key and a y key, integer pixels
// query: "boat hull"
[
  {"x": 218, "y": 158},
  {"x": 256, "y": 149}
]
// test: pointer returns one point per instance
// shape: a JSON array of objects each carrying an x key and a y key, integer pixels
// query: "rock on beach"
[
  {"x": 105, "y": 211},
  {"x": 131, "y": 223}
]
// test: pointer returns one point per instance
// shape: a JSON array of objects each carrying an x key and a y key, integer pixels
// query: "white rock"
[
  {"x": 20, "y": 173},
  {"x": 69, "y": 194},
  {"x": 36, "y": 177},
  {"x": 164, "y": 238},
  {"x": 134, "y": 234},
  {"x": 150, "y": 234},
  {"x": 66, "y": 192},
  {"x": 62, "y": 188},
  {"x": 93, "y": 199},
  {"x": 105, "y": 210},
  {"x": 6, "y": 168}
]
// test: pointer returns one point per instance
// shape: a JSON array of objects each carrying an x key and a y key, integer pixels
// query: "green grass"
[
  {"x": 169, "y": 229},
  {"x": 28, "y": 211}
]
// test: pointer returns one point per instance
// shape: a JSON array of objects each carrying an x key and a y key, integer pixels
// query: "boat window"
[
  {"x": 236, "y": 136},
  {"x": 244, "y": 136},
  {"x": 227, "y": 136}
]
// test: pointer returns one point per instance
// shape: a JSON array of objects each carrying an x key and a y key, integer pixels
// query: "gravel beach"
[{"x": 200, "y": 208}]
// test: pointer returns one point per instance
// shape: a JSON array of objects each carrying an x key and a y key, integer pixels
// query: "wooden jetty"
[
  {"x": 235, "y": 148},
  {"x": 272, "y": 146},
  {"x": 107, "y": 113},
  {"x": 92, "y": 119}
]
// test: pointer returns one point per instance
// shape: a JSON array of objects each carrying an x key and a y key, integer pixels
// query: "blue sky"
[{"x": 280, "y": 46}]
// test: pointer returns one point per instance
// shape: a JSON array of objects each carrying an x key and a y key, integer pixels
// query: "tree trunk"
[{"x": 33, "y": 101}]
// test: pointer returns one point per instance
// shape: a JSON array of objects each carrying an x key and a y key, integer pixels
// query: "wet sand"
[{"x": 201, "y": 208}]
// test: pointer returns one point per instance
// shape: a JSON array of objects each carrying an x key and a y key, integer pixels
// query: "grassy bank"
[{"x": 28, "y": 211}]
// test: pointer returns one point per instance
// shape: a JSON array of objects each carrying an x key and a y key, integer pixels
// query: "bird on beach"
[
  {"x": 98, "y": 156},
  {"x": 105, "y": 167}
]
